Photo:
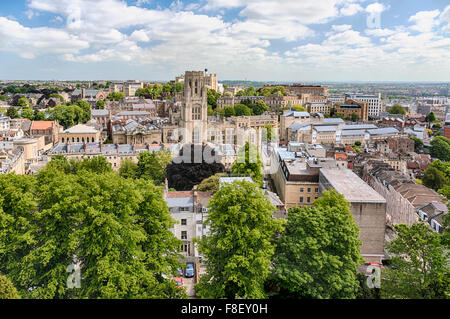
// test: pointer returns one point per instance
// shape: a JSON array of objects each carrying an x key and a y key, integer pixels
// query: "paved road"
[{"x": 189, "y": 285}]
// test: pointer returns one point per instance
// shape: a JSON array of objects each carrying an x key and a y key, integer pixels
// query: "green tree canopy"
[
  {"x": 431, "y": 117},
  {"x": 128, "y": 169},
  {"x": 418, "y": 143},
  {"x": 210, "y": 184},
  {"x": 212, "y": 96},
  {"x": 39, "y": 115},
  {"x": 240, "y": 243},
  {"x": 248, "y": 163},
  {"x": 100, "y": 105},
  {"x": 28, "y": 113},
  {"x": 318, "y": 253},
  {"x": 70, "y": 115},
  {"x": 117, "y": 230},
  {"x": 22, "y": 102},
  {"x": 433, "y": 178},
  {"x": 12, "y": 112},
  {"x": 152, "y": 165},
  {"x": 397, "y": 109},
  {"x": 7, "y": 289},
  {"x": 242, "y": 109},
  {"x": 229, "y": 111},
  {"x": 259, "y": 107},
  {"x": 421, "y": 264},
  {"x": 440, "y": 148},
  {"x": 116, "y": 96}
]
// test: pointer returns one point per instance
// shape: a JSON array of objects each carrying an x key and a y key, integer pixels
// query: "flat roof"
[{"x": 354, "y": 189}]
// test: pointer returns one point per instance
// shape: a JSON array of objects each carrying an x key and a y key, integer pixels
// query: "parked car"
[
  {"x": 189, "y": 271},
  {"x": 179, "y": 282}
]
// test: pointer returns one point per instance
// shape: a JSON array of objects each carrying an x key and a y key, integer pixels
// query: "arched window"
[
  {"x": 78, "y": 140},
  {"x": 82, "y": 139},
  {"x": 73, "y": 139},
  {"x": 62, "y": 140}
]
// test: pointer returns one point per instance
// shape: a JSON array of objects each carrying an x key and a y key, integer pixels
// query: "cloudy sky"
[{"x": 280, "y": 40}]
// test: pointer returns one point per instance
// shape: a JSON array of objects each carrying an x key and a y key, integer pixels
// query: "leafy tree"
[
  {"x": 2, "y": 97},
  {"x": 210, "y": 184},
  {"x": 7, "y": 289},
  {"x": 152, "y": 165},
  {"x": 128, "y": 169},
  {"x": 117, "y": 230},
  {"x": 431, "y": 117},
  {"x": 100, "y": 105},
  {"x": 278, "y": 90},
  {"x": 421, "y": 264},
  {"x": 358, "y": 143},
  {"x": 397, "y": 109},
  {"x": 259, "y": 107},
  {"x": 70, "y": 115},
  {"x": 418, "y": 143},
  {"x": 212, "y": 96},
  {"x": 433, "y": 178},
  {"x": 318, "y": 254},
  {"x": 39, "y": 115},
  {"x": 242, "y": 109},
  {"x": 298, "y": 108},
  {"x": 116, "y": 96},
  {"x": 248, "y": 163},
  {"x": 240, "y": 244},
  {"x": 229, "y": 111},
  {"x": 179, "y": 87},
  {"x": 22, "y": 102},
  {"x": 86, "y": 107},
  {"x": 250, "y": 91},
  {"x": 28, "y": 113},
  {"x": 167, "y": 88},
  {"x": 440, "y": 148},
  {"x": 98, "y": 165},
  {"x": 55, "y": 95},
  {"x": 355, "y": 117},
  {"x": 12, "y": 112}
]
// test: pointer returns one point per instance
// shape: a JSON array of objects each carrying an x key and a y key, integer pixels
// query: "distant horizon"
[{"x": 244, "y": 80}]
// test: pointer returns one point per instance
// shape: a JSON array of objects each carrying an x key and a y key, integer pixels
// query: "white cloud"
[
  {"x": 376, "y": 7},
  {"x": 351, "y": 9},
  {"x": 424, "y": 21},
  {"x": 30, "y": 42},
  {"x": 341, "y": 27},
  {"x": 139, "y": 36},
  {"x": 445, "y": 19},
  {"x": 190, "y": 37},
  {"x": 379, "y": 32}
]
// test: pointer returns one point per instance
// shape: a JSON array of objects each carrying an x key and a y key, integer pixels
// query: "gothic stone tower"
[{"x": 194, "y": 112}]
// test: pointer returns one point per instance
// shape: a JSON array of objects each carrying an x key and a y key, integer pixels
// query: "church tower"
[{"x": 194, "y": 112}]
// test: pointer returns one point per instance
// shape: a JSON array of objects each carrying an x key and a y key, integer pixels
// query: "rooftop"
[
  {"x": 41, "y": 125},
  {"x": 347, "y": 183},
  {"x": 81, "y": 128}
]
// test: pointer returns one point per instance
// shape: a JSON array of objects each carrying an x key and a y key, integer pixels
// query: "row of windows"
[
  {"x": 78, "y": 140},
  {"x": 308, "y": 199},
  {"x": 302, "y": 190}
]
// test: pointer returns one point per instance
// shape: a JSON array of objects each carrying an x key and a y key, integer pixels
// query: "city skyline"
[{"x": 331, "y": 40}]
